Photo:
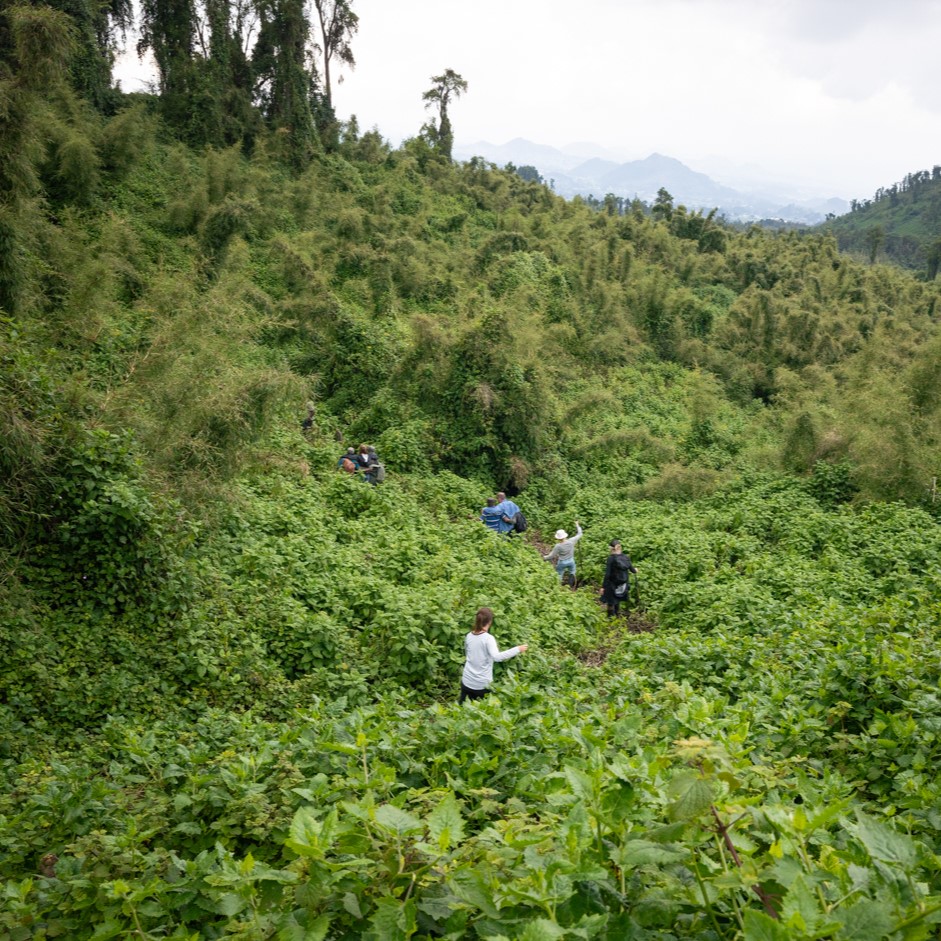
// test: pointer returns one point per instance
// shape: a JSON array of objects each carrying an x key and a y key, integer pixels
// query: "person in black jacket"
[{"x": 616, "y": 587}]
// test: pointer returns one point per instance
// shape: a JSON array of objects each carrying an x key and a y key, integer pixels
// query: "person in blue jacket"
[
  {"x": 492, "y": 516},
  {"x": 508, "y": 508}
]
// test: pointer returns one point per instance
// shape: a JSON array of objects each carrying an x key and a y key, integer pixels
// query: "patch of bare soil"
[
  {"x": 594, "y": 658},
  {"x": 635, "y": 622},
  {"x": 638, "y": 623},
  {"x": 535, "y": 538}
]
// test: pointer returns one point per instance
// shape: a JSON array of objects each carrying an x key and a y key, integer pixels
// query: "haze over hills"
[{"x": 586, "y": 169}]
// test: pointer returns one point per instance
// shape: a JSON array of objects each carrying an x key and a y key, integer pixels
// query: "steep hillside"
[
  {"x": 228, "y": 670},
  {"x": 901, "y": 223}
]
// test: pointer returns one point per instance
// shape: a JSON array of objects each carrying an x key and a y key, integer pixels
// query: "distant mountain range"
[{"x": 586, "y": 169}]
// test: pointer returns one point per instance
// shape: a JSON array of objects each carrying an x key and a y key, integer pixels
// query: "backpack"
[
  {"x": 519, "y": 523},
  {"x": 621, "y": 571},
  {"x": 379, "y": 471},
  {"x": 348, "y": 465}
]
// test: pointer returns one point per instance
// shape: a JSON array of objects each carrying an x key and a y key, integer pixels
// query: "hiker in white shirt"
[{"x": 482, "y": 651}]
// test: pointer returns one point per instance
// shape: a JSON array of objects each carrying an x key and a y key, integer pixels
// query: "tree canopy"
[{"x": 445, "y": 87}]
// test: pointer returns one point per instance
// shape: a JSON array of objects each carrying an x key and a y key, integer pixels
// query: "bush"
[{"x": 832, "y": 483}]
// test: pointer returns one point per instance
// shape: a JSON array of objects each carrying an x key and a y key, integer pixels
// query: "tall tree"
[
  {"x": 663, "y": 204},
  {"x": 337, "y": 24},
  {"x": 36, "y": 46},
  {"x": 201, "y": 49},
  {"x": 285, "y": 77},
  {"x": 874, "y": 239},
  {"x": 445, "y": 87},
  {"x": 97, "y": 25},
  {"x": 168, "y": 29},
  {"x": 933, "y": 257},
  {"x": 223, "y": 76}
]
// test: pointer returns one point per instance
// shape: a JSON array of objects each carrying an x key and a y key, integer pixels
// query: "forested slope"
[
  {"x": 228, "y": 672},
  {"x": 901, "y": 223}
]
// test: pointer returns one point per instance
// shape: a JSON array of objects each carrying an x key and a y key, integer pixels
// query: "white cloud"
[{"x": 841, "y": 93}]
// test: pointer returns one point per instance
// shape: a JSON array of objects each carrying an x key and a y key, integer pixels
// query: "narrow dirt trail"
[{"x": 634, "y": 621}]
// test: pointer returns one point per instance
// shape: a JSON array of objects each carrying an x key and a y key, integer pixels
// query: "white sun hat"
[{"x": 561, "y": 534}]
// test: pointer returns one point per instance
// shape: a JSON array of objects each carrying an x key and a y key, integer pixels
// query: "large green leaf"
[
  {"x": 541, "y": 929},
  {"x": 230, "y": 904},
  {"x": 636, "y": 853},
  {"x": 309, "y": 836},
  {"x": 800, "y": 910},
  {"x": 445, "y": 823},
  {"x": 392, "y": 920},
  {"x": 691, "y": 795},
  {"x": 762, "y": 927},
  {"x": 395, "y": 819},
  {"x": 473, "y": 887},
  {"x": 866, "y": 920},
  {"x": 107, "y": 929},
  {"x": 884, "y": 843},
  {"x": 315, "y": 931},
  {"x": 580, "y": 783}
]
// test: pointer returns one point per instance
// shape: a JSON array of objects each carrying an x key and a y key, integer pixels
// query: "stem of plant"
[
  {"x": 723, "y": 831},
  {"x": 705, "y": 899},
  {"x": 411, "y": 886},
  {"x": 140, "y": 929},
  {"x": 805, "y": 859},
  {"x": 914, "y": 919}
]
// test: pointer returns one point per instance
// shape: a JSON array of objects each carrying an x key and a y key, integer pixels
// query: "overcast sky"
[{"x": 840, "y": 95}]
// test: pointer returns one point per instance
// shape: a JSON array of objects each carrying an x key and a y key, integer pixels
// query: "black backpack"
[
  {"x": 519, "y": 523},
  {"x": 621, "y": 575}
]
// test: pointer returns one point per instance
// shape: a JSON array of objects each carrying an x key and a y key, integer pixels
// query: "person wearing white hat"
[{"x": 563, "y": 552}]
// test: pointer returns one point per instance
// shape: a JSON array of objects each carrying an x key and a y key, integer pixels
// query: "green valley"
[{"x": 229, "y": 671}]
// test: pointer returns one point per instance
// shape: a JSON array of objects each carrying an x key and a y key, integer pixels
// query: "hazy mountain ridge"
[{"x": 585, "y": 169}]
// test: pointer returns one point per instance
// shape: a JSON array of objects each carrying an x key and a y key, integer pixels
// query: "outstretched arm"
[{"x": 499, "y": 655}]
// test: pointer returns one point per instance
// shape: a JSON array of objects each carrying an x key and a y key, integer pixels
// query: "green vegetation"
[
  {"x": 901, "y": 222},
  {"x": 228, "y": 673}
]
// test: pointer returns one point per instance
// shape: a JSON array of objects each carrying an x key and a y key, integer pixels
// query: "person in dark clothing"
[
  {"x": 616, "y": 587},
  {"x": 372, "y": 468}
]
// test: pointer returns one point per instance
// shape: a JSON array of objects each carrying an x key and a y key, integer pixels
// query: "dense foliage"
[
  {"x": 228, "y": 672},
  {"x": 901, "y": 222},
  {"x": 761, "y": 766}
]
